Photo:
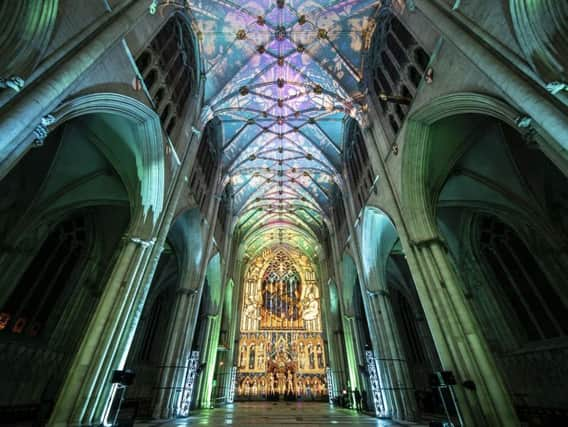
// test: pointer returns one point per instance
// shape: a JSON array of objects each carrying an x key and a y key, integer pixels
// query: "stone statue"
[
  {"x": 311, "y": 307},
  {"x": 252, "y": 309}
]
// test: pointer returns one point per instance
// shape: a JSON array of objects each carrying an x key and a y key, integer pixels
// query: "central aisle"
[{"x": 276, "y": 414}]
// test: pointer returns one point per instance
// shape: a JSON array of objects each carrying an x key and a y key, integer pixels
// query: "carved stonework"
[
  {"x": 42, "y": 130},
  {"x": 13, "y": 82}
]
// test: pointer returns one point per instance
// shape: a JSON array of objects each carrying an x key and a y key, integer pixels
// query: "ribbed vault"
[{"x": 282, "y": 77}]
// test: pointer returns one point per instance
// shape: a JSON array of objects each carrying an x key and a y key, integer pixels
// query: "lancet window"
[
  {"x": 521, "y": 280},
  {"x": 57, "y": 263},
  {"x": 205, "y": 167},
  {"x": 399, "y": 65},
  {"x": 359, "y": 167}
]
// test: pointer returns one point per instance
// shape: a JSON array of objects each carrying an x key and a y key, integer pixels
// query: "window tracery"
[
  {"x": 521, "y": 280},
  {"x": 62, "y": 254},
  {"x": 397, "y": 70},
  {"x": 359, "y": 168},
  {"x": 205, "y": 166}
]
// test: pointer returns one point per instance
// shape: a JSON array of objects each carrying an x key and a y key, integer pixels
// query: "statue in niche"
[
  {"x": 311, "y": 308},
  {"x": 281, "y": 382},
  {"x": 311, "y": 356},
  {"x": 317, "y": 387},
  {"x": 251, "y": 356},
  {"x": 299, "y": 386},
  {"x": 261, "y": 354},
  {"x": 271, "y": 382},
  {"x": 304, "y": 262},
  {"x": 319, "y": 353},
  {"x": 310, "y": 288},
  {"x": 252, "y": 308},
  {"x": 290, "y": 384},
  {"x": 301, "y": 355},
  {"x": 242, "y": 362},
  {"x": 256, "y": 266}
]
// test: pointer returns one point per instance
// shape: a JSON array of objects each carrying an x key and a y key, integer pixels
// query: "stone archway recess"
[
  {"x": 87, "y": 389},
  {"x": 457, "y": 335}
]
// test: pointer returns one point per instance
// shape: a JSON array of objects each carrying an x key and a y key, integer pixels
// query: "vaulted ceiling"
[{"x": 283, "y": 76}]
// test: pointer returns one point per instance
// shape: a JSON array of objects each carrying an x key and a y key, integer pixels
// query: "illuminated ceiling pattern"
[{"x": 283, "y": 76}]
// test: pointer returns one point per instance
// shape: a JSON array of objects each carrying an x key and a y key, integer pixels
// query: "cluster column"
[
  {"x": 392, "y": 359},
  {"x": 106, "y": 328},
  {"x": 458, "y": 337}
]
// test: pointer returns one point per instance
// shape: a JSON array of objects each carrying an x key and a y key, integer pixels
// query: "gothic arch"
[
  {"x": 380, "y": 236},
  {"x": 418, "y": 198},
  {"x": 146, "y": 186},
  {"x": 187, "y": 236}
]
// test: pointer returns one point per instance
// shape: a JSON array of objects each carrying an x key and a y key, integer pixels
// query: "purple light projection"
[{"x": 282, "y": 78}]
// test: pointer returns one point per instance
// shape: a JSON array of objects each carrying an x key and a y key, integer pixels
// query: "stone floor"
[{"x": 276, "y": 414}]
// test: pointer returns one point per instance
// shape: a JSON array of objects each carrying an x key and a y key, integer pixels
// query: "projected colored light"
[{"x": 282, "y": 78}]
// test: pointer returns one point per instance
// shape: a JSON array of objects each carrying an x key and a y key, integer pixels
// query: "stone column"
[
  {"x": 382, "y": 327},
  {"x": 214, "y": 322},
  {"x": 174, "y": 368},
  {"x": 209, "y": 352},
  {"x": 380, "y": 348},
  {"x": 392, "y": 359},
  {"x": 182, "y": 327},
  {"x": 97, "y": 344},
  {"x": 335, "y": 347},
  {"x": 101, "y": 390},
  {"x": 231, "y": 326},
  {"x": 458, "y": 338},
  {"x": 341, "y": 336},
  {"x": 352, "y": 353}
]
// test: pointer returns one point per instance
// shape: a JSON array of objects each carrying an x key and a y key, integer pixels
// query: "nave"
[
  {"x": 277, "y": 414},
  {"x": 213, "y": 210}
]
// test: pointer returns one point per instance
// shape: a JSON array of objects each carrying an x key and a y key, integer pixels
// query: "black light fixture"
[{"x": 395, "y": 99}]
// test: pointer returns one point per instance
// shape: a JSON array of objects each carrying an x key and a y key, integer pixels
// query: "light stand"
[
  {"x": 123, "y": 378},
  {"x": 445, "y": 380}
]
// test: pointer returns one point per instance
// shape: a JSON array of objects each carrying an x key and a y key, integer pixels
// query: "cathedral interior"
[{"x": 349, "y": 210}]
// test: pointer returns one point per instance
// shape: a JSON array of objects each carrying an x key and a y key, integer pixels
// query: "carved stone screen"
[{"x": 281, "y": 349}]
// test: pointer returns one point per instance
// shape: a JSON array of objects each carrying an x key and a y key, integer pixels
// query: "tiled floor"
[{"x": 275, "y": 414}]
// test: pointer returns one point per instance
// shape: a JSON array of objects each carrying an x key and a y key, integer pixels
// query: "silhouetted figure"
[
  {"x": 358, "y": 399},
  {"x": 364, "y": 399}
]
